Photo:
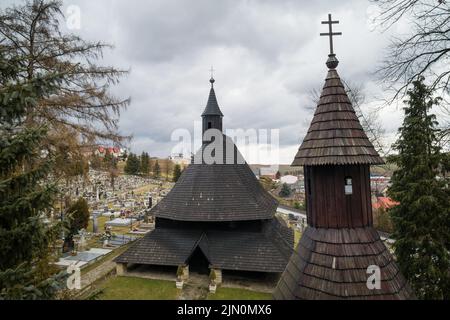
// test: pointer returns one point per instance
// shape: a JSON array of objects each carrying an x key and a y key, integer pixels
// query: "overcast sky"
[{"x": 268, "y": 56}]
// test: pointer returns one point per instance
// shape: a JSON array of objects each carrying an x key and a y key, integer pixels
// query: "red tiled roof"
[{"x": 385, "y": 203}]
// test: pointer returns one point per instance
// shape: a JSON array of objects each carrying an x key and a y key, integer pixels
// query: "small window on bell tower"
[
  {"x": 209, "y": 125},
  {"x": 348, "y": 186}
]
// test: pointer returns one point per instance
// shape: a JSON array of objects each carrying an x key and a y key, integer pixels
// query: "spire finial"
[
  {"x": 332, "y": 62},
  {"x": 212, "y": 77}
]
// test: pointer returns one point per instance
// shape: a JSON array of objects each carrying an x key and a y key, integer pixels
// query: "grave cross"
[{"x": 330, "y": 33}]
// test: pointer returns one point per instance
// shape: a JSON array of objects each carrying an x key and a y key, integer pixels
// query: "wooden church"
[
  {"x": 217, "y": 216},
  {"x": 340, "y": 247}
]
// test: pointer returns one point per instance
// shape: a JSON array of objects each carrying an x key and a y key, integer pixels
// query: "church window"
[{"x": 348, "y": 186}]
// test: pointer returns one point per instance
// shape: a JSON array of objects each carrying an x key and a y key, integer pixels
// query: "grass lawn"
[
  {"x": 238, "y": 294},
  {"x": 128, "y": 288},
  {"x": 297, "y": 237}
]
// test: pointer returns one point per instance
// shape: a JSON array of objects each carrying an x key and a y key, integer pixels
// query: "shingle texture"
[
  {"x": 265, "y": 251},
  {"x": 217, "y": 192},
  {"x": 212, "y": 107},
  {"x": 335, "y": 135},
  {"x": 332, "y": 264}
]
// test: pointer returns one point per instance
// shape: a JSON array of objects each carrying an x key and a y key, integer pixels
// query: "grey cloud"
[{"x": 268, "y": 56}]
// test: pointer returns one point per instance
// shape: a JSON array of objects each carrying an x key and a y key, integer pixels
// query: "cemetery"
[{"x": 341, "y": 191}]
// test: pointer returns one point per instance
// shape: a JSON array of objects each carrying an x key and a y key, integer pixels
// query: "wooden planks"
[
  {"x": 332, "y": 264},
  {"x": 329, "y": 207}
]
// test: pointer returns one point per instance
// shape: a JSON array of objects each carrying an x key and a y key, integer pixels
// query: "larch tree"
[
  {"x": 110, "y": 165},
  {"x": 81, "y": 107},
  {"x": 423, "y": 50},
  {"x": 421, "y": 221}
]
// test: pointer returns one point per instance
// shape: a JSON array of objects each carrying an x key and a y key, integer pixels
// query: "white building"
[{"x": 289, "y": 179}]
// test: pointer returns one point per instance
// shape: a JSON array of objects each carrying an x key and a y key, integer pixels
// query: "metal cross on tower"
[
  {"x": 330, "y": 33},
  {"x": 212, "y": 77}
]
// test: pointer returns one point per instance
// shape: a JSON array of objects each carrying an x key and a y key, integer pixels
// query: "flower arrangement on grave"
[{"x": 107, "y": 235}]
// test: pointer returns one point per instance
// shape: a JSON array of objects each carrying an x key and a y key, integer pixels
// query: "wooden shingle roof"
[
  {"x": 332, "y": 264},
  {"x": 212, "y": 107},
  {"x": 335, "y": 136},
  {"x": 217, "y": 193},
  {"x": 265, "y": 251}
]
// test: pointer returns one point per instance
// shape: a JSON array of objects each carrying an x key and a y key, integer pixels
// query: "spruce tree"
[
  {"x": 421, "y": 221},
  {"x": 176, "y": 172},
  {"x": 285, "y": 191},
  {"x": 145, "y": 167},
  {"x": 156, "y": 170},
  {"x": 25, "y": 196},
  {"x": 132, "y": 167}
]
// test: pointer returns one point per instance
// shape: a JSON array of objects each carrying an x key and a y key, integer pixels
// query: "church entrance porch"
[
  {"x": 152, "y": 272},
  {"x": 198, "y": 263}
]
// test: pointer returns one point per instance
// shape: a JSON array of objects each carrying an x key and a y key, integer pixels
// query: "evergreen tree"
[
  {"x": 156, "y": 170},
  {"x": 145, "y": 164},
  {"x": 78, "y": 218},
  {"x": 132, "y": 167},
  {"x": 421, "y": 221},
  {"x": 176, "y": 172},
  {"x": 25, "y": 197},
  {"x": 168, "y": 169},
  {"x": 285, "y": 191}
]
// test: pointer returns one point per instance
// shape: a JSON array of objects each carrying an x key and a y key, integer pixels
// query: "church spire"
[{"x": 212, "y": 116}]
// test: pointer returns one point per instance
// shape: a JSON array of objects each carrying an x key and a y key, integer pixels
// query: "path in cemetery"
[{"x": 196, "y": 288}]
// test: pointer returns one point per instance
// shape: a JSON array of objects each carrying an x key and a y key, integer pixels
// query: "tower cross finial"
[
  {"x": 212, "y": 77},
  {"x": 330, "y": 33}
]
